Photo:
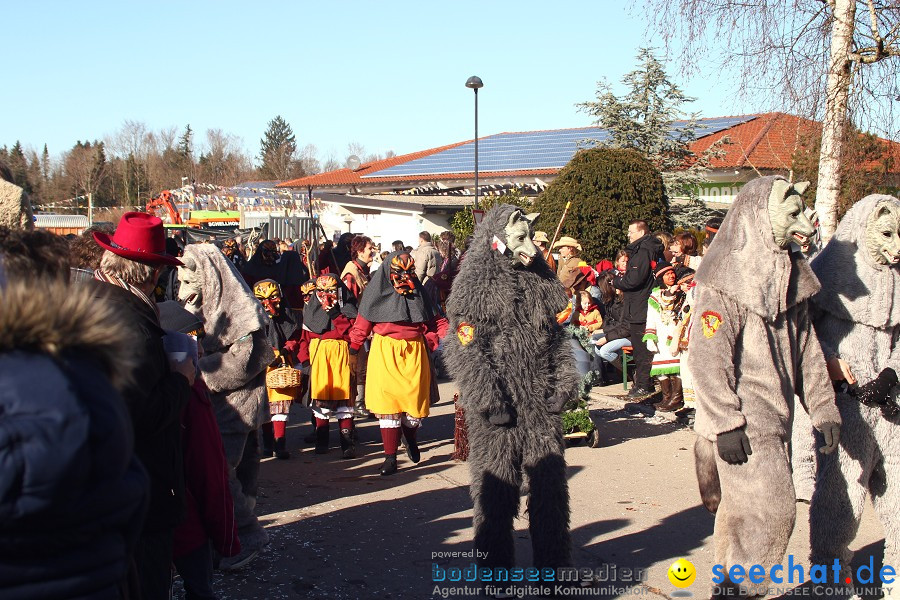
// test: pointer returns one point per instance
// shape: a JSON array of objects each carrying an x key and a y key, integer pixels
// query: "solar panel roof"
[{"x": 528, "y": 150}]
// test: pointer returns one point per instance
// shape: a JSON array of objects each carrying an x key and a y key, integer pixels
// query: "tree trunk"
[{"x": 836, "y": 95}]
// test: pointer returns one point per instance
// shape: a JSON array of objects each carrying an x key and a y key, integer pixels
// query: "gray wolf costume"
[
  {"x": 752, "y": 349},
  {"x": 857, "y": 319},
  {"x": 515, "y": 371},
  {"x": 236, "y": 352}
]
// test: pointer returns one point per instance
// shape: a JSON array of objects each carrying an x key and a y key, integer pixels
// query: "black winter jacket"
[
  {"x": 614, "y": 325},
  {"x": 638, "y": 281},
  {"x": 155, "y": 400}
]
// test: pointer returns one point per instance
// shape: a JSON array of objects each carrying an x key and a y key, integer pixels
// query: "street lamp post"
[{"x": 474, "y": 82}]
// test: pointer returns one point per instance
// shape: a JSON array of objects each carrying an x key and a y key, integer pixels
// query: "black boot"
[
  {"x": 412, "y": 447},
  {"x": 322, "y": 439},
  {"x": 281, "y": 448},
  {"x": 311, "y": 438},
  {"x": 389, "y": 466},
  {"x": 268, "y": 440},
  {"x": 348, "y": 443}
]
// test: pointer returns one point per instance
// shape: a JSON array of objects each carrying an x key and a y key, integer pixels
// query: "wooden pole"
[{"x": 559, "y": 227}]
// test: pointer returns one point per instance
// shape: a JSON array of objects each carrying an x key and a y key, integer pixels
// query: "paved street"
[{"x": 340, "y": 530}]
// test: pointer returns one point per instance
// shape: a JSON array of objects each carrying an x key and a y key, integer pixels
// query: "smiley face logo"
[{"x": 682, "y": 573}]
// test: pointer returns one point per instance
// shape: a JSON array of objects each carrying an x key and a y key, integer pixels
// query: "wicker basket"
[{"x": 283, "y": 377}]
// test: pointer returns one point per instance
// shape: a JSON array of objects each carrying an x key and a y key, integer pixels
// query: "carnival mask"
[
  {"x": 190, "y": 289},
  {"x": 307, "y": 290},
  {"x": 230, "y": 248},
  {"x": 882, "y": 240},
  {"x": 268, "y": 252},
  {"x": 269, "y": 294},
  {"x": 786, "y": 213},
  {"x": 327, "y": 292},
  {"x": 403, "y": 274},
  {"x": 518, "y": 237}
]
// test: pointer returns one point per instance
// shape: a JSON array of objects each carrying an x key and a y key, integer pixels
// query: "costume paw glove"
[
  {"x": 878, "y": 390},
  {"x": 832, "y": 434},
  {"x": 502, "y": 415},
  {"x": 734, "y": 446}
]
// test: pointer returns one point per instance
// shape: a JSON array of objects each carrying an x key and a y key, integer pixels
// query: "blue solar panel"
[{"x": 527, "y": 150}]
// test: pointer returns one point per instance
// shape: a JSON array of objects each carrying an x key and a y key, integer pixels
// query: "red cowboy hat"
[{"x": 139, "y": 237}]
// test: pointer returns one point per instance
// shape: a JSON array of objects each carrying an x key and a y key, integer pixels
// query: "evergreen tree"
[
  {"x": 608, "y": 188},
  {"x": 18, "y": 166},
  {"x": 45, "y": 165},
  {"x": 650, "y": 119},
  {"x": 277, "y": 148}
]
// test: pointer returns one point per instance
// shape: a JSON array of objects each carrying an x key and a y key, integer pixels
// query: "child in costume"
[
  {"x": 663, "y": 316},
  {"x": 685, "y": 281},
  {"x": 323, "y": 352},
  {"x": 588, "y": 314},
  {"x": 407, "y": 326},
  {"x": 284, "y": 335}
]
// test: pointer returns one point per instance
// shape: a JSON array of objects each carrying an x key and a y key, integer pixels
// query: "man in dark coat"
[
  {"x": 157, "y": 392},
  {"x": 644, "y": 251}
]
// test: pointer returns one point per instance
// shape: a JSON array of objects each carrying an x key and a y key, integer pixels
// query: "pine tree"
[
  {"x": 277, "y": 148},
  {"x": 608, "y": 188},
  {"x": 650, "y": 119},
  {"x": 45, "y": 164},
  {"x": 18, "y": 166}
]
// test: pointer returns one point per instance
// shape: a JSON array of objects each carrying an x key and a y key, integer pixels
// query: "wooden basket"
[{"x": 283, "y": 377}]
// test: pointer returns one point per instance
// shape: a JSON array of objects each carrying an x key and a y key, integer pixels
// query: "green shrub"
[{"x": 608, "y": 188}]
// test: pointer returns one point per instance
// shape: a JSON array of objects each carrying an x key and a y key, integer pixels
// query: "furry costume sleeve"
[
  {"x": 814, "y": 385},
  {"x": 227, "y": 370},
  {"x": 714, "y": 334}
]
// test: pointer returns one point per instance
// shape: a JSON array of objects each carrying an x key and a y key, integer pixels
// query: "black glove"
[
  {"x": 734, "y": 446},
  {"x": 877, "y": 392},
  {"x": 557, "y": 402},
  {"x": 832, "y": 435},
  {"x": 502, "y": 415},
  {"x": 304, "y": 368}
]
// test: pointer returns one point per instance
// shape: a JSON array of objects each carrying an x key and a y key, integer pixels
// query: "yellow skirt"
[
  {"x": 399, "y": 377},
  {"x": 329, "y": 369}
]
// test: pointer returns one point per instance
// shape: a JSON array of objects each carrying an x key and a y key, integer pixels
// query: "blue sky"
[{"x": 387, "y": 75}]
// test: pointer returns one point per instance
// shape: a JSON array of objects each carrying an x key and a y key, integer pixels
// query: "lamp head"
[{"x": 474, "y": 82}]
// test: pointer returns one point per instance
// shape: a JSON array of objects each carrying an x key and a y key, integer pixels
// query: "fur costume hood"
[
  {"x": 65, "y": 320},
  {"x": 382, "y": 304},
  {"x": 229, "y": 309},
  {"x": 745, "y": 264},
  {"x": 485, "y": 267},
  {"x": 854, "y": 287}
]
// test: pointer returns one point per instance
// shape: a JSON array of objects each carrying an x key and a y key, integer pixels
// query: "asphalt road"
[{"x": 339, "y": 530}]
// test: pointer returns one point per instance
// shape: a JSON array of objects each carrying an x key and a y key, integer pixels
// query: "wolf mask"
[
  {"x": 883, "y": 234},
  {"x": 518, "y": 233},
  {"x": 786, "y": 211}
]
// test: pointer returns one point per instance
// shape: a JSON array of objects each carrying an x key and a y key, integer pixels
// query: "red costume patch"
[
  {"x": 466, "y": 333},
  {"x": 711, "y": 322}
]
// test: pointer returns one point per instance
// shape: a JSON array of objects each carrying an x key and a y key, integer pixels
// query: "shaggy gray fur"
[
  {"x": 15, "y": 209},
  {"x": 236, "y": 353},
  {"x": 519, "y": 358},
  {"x": 746, "y": 374},
  {"x": 857, "y": 318},
  {"x": 236, "y": 349}
]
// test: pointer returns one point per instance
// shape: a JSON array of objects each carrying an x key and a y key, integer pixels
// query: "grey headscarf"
[
  {"x": 854, "y": 286},
  {"x": 744, "y": 263}
]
